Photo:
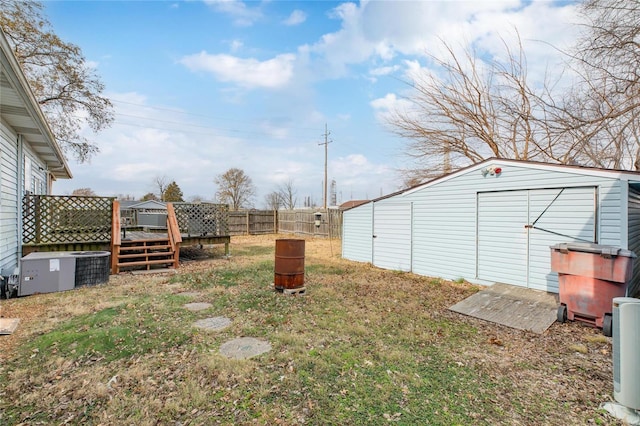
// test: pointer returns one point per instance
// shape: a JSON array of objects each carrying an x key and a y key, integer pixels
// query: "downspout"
[{"x": 20, "y": 192}]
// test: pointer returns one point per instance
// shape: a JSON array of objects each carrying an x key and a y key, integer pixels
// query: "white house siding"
[
  {"x": 392, "y": 235},
  {"x": 634, "y": 237},
  {"x": 444, "y": 216},
  {"x": 9, "y": 225},
  {"x": 357, "y": 231}
]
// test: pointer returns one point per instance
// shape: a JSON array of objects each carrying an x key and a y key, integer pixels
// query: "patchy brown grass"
[{"x": 363, "y": 346}]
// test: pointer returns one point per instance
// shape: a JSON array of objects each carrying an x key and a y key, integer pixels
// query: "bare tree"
[
  {"x": 470, "y": 110},
  {"x": 161, "y": 182},
  {"x": 84, "y": 192},
  {"x": 235, "y": 188},
  {"x": 149, "y": 196},
  {"x": 604, "y": 109},
  {"x": 287, "y": 194},
  {"x": 66, "y": 87},
  {"x": 272, "y": 201}
]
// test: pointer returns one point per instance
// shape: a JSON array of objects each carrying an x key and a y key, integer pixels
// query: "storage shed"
[{"x": 495, "y": 221}]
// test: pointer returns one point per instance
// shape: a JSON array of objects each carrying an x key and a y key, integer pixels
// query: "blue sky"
[{"x": 200, "y": 87}]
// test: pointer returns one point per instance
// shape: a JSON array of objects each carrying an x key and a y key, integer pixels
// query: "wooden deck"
[{"x": 187, "y": 240}]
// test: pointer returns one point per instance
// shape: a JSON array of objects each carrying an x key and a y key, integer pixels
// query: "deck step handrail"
[
  {"x": 115, "y": 236},
  {"x": 173, "y": 231}
]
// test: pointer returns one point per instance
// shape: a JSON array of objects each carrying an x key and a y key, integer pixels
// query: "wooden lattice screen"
[
  {"x": 203, "y": 219},
  {"x": 50, "y": 219}
]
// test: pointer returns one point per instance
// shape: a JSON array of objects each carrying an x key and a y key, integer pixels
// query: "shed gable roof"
[
  {"x": 149, "y": 204},
  {"x": 626, "y": 175}
]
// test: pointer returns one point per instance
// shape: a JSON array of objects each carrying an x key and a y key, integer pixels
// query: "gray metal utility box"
[{"x": 47, "y": 272}]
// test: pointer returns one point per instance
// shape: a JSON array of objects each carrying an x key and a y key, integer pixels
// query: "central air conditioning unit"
[
  {"x": 626, "y": 347},
  {"x": 48, "y": 272}
]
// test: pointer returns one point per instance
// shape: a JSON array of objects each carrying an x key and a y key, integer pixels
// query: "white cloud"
[
  {"x": 384, "y": 108},
  {"x": 297, "y": 17},
  {"x": 236, "y": 45},
  {"x": 355, "y": 171},
  {"x": 370, "y": 31},
  {"x": 244, "y": 16},
  {"x": 249, "y": 73}
]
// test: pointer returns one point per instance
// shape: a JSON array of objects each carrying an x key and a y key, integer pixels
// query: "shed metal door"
[
  {"x": 392, "y": 236},
  {"x": 502, "y": 237},
  {"x": 557, "y": 216},
  {"x": 516, "y": 229}
]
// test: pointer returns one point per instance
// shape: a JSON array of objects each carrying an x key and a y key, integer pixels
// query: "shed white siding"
[
  {"x": 473, "y": 225},
  {"x": 357, "y": 232}
]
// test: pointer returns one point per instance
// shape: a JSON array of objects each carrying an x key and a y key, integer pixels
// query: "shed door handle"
[{"x": 375, "y": 236}]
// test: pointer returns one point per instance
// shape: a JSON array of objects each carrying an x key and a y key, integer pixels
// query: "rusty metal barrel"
[{"x": 289, "y": 266}]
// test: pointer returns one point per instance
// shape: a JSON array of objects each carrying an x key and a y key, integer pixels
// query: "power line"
[{"x": 195, "y": 114}]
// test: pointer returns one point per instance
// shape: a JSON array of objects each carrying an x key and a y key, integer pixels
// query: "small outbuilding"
[{"x": 495, "y": 222}]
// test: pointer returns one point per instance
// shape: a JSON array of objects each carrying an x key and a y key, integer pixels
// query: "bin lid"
[{"x": 601, "y": 249}]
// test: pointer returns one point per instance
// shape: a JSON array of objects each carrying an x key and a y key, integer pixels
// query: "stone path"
[
  {"x": 240, "y": 348},
  {"x": 215, "y": 323},
  {"x": 197, "y": 306}
]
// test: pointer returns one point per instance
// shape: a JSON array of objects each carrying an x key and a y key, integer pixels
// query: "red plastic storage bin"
[{"x": 589, "y": 277}]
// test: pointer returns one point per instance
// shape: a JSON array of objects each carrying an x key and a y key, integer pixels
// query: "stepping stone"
[
  {"x": 189, "y": 294},
  {"x": 244, "y": 347},
  {"x": 197, "y": 306},
  {"x": 215, "y": 323},
  {"x": 8, "y": 325}
]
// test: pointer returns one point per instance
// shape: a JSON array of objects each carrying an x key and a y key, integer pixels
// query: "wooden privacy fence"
[
  {"x": 52, "y": 219},
  {"x": 299, "y": 222},
  {"x": 253, "y": 222}
]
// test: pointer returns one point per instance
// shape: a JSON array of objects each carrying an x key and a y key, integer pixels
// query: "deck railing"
[
  {"x": 173, "y": 231},
  {"x": 202, "y": 219},
  {"x": 52, "y": 219},
  {"x": 115, "y": 235}
]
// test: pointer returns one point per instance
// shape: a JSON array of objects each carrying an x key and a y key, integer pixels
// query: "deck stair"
[{"x": 143, "y": 254}]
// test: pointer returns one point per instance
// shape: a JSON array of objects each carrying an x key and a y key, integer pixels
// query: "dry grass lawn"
[{"x": 363, "y": 346}]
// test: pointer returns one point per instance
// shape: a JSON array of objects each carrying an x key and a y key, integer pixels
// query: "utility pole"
[{"x": 325, "y": 143}]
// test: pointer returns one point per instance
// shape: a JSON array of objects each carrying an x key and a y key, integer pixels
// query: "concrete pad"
[
  {"x": 197, "y": 306},
  {"x": 215, "y": 323},
  {"x": 516, "y": 307},
  {"x": 8, "y": 325},
  {"x": 244, "y": 347}
]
